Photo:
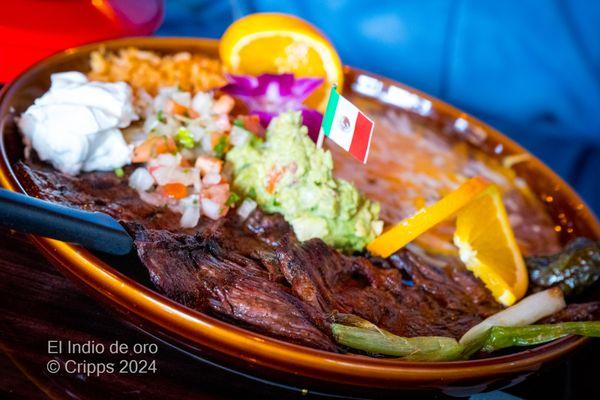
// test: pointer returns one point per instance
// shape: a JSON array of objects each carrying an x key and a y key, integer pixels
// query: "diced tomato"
[
  {"x": 212, "y": 209},
  {"x": 215, "y": 138},
  {"x": 209, "y": 165},
  {"x": 274, "y": 177},
  {"x": 223, "y": 105},
  {"x": 193, "y": 113},
  {"x": 222, "y": 122},
  {"x": 173, "y": 190},
  {"x": 252, "y": 124},
  {"x": 217, "y": 193},
  {"x": 175, "y": 108},
  {"x": 152, "y": 147},
  {"x": 172, "y": 107}
]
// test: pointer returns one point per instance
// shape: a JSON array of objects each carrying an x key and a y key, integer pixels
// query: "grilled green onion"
[
  {"x": 431, "y": 348},
  {"x": 360, "y": 334},
  {"x": 500, "y": 337}
]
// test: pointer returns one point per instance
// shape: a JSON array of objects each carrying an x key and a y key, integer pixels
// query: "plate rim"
[{"x": 128, "y": 295}]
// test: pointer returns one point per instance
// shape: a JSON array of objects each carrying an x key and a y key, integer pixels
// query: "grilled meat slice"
[
  {"x": 201, "y": 273},
  {"x": 575, "y": 312},
  {"x": 402, "y": 294},
  {"x": 94, "y": 191},
  {"x": 256, "y": 274}
]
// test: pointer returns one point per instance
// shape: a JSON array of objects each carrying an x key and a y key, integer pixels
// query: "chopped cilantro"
[
  {"x": 252, "y": 193},
  {"x": 161, "y": 117},
  {"x": 255, "y": 141},
  {"x": 220, "y": 147},
  {"x": 233, "y": 198},
  {"x": 119, "y": 172},
  {"x": 239, "y": 123},
  {"x": 185, "y": 138}
]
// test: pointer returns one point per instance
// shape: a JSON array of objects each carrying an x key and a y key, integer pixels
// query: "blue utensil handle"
[{"x": 94, "y": 230}]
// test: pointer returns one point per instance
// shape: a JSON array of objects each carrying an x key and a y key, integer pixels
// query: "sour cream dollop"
[{"x": 75, "y": 125}]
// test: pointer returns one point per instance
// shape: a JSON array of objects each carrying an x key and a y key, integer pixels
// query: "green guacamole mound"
[{"x": 286, "y": 173}]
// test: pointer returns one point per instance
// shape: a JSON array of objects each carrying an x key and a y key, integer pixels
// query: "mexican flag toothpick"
[{"x": 347, "y": 126}]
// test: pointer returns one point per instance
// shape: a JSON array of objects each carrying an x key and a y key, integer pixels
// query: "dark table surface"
[{"x": 38, "y": 305}]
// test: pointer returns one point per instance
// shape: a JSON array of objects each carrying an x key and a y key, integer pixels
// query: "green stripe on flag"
[{"x": 330, "y": 110}]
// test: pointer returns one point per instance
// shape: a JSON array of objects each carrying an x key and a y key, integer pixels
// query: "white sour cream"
[{"x": 75, "y": 125}]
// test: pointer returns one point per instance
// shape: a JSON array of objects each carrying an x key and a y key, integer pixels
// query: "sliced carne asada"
[{"x": 257, "y": 274}]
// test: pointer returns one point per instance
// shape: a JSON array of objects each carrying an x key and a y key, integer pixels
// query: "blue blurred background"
[{"x": 530, "y": 68}]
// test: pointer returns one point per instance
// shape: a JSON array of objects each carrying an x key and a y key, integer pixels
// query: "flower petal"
[
  {"x": 241, "y": 85},
  {"x": 267, "y": 95},
  {"x": 265, "y": 117},
  {"x": 285, "y": 84},
  {"x": 312, "y": 119},
  {"x": 303, "y": 87}
]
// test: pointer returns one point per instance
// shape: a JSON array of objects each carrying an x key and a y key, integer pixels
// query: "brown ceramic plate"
[{"x": 262, "y": 356}]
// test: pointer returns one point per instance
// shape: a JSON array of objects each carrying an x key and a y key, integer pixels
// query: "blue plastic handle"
[{"x": 94, "y": 230}]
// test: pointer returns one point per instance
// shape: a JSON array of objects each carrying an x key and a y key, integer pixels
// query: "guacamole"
[{"x": 286, "y": 173}]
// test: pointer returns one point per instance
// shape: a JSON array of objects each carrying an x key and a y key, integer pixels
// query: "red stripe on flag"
[{"x": 362, "y": 136}]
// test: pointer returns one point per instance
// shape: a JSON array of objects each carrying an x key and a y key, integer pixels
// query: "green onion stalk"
[
  {"x": 359, "y": 334},
  {"x": 500, "y": 337},
  {"x": 424, "y": 348}
]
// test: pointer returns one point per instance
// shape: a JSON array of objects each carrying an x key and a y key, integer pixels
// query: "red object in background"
[{"x": 30, "y": 30}]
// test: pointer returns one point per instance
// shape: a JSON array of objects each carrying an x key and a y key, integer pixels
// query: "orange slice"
[
  {"x": 280, "y": 43},
  {"x": 487, "y": 246},
  {"x": 410, "y": 228}
]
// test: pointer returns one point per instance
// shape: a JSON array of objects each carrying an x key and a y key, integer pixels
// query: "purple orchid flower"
[{"x": 267, "y": 95}]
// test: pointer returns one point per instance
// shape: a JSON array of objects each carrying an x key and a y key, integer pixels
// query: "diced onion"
[
  {"x": 154, "y": 199},
  {"x": 163, "y": 96},
  {"x": 144, "y": 100},
  {"x": 141, "y": 179},
  {"x": 222, "y": 122},
  {"x": 238, "y": 136},
  {"x": 211, "y": 179},
  {"x": 246, "y": 208},
  {"x": 165, "y": 160},
  {"x": 223, "y": 105},
  {"x": 202, "y": 103},
  {"x": 217, "y": 193},
  {"x": 165, "y": 175},
  {"x": 211, "y": 209},
  {"x": 377, "y": 227},
  {"x": 150, "y": 124},
  {"x": 190, "y": 211},
  {"x": 208, "y": 165},
  {"x": 183, "y": 98},
  {"x": 206, "y": 119},
  {"x": 197, "y": 131},
  {"x": 197, "y": 182},
  {"x": 529, "y": 310},
  {"x": 206, "y": 143}
]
